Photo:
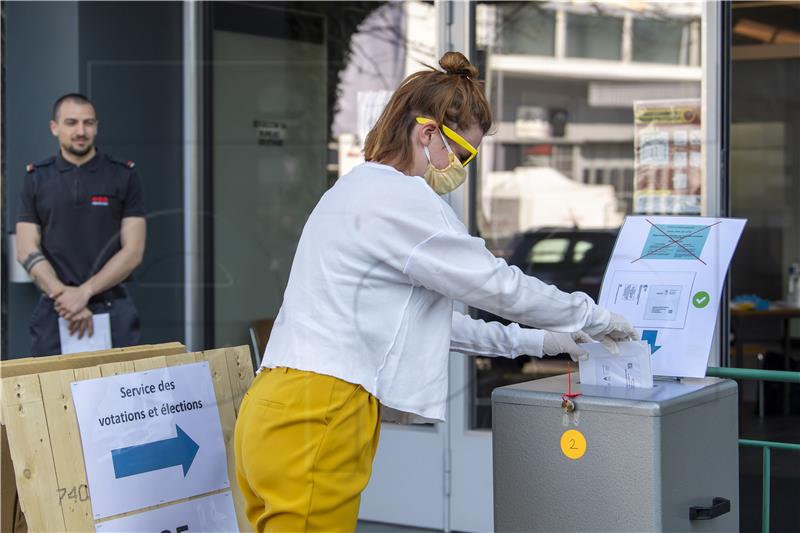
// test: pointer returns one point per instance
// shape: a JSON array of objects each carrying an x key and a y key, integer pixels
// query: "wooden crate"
[{"x": 42, "y": 429}]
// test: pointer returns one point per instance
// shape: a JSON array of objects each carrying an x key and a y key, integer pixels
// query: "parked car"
[{"x": 570, "y": 258}]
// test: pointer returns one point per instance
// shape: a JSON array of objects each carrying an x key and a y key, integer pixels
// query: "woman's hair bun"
[{"x": 456, "y": 63}]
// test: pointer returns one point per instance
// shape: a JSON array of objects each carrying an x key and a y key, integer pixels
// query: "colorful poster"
[{"x": 668, "y": 175}]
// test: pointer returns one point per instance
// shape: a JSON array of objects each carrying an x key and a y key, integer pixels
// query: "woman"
[{"x": 367, "y": 317}]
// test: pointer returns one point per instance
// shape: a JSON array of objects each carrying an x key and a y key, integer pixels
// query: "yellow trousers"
[{"x": 304, "y": 445}]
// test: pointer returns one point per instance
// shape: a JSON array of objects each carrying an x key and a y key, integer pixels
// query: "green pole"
[
  {"x": 771, "y": 444},
  {"x": 765, "y": 492},
  {"x": 752, "y": 373}
]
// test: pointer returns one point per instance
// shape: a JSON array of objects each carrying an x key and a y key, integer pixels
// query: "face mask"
[{"x": 444, "y": 180}]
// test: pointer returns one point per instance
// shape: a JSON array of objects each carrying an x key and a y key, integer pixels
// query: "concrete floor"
[{"x": 375, "y": 527}]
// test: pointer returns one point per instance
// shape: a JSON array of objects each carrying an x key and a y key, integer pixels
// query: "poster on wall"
[{"x": 668, "y": 176}]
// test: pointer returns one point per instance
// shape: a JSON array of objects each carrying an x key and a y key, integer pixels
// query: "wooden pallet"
[{"x": 42, "y": 430}]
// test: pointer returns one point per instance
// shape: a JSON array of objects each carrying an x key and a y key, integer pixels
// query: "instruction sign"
[
  {"x": 665, "y": 276},
  {"x": 150, "y": 437},
  {"x": 211, "y": 513}
]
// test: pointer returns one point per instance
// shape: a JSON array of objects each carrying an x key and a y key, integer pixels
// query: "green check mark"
[{"x": 700, "y": 299}]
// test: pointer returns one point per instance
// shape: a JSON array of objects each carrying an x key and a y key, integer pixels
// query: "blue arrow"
[
  {"x": 650, "y": 335},
  {"x": 179, "y": 450}
]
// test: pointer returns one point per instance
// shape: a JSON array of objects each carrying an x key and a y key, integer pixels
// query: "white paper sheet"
[
  {"x": 100, "y": 339},
  {"x": 210, "y": 513},
  {"x": 150, "y": 437},
  {"x": 630, "y": 369},
  {"x": 665, "y": 276}
]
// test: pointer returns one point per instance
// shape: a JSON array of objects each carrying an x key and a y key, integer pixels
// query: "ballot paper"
[
  {"x": 630, "y": 368},
  {"x": 100, "y": 339}
]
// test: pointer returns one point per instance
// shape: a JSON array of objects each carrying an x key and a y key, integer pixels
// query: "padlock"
[{"x": 567, "y": 405}]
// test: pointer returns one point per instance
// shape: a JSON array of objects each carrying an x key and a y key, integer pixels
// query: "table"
[{"x": 776, "y": 312}]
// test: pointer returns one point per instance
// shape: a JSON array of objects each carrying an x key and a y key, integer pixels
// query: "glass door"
[
  {"x": 268, "y": 122},
  {"x": 293, "y": 89},
  {"x": 557, "y": 179},
  {"x": 764, "y": 182}
]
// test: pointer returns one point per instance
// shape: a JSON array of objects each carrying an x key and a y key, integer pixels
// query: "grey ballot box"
[{"x": 660, "y": 459}]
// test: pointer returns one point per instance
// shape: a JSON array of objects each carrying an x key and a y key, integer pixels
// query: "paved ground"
[{"x": 374, "y": 527}]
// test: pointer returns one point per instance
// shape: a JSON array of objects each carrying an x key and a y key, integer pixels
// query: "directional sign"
[
  {"x": 142, "y": 458},
  {"x": 150, "y": 437},
  {"x": 649, "y": 335}
]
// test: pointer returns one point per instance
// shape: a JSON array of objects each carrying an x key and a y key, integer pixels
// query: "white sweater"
[{"x": 370, "y": 294}]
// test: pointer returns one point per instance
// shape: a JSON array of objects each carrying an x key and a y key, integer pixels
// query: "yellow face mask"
[{"x": 444, "y": 180}]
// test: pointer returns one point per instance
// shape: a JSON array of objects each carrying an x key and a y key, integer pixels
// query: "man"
[{"x": 80, "y": 232}]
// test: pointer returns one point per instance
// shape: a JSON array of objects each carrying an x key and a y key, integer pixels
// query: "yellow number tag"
[{"x": 573, "y": 444}]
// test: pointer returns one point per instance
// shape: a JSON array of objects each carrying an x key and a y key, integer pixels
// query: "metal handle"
[{"x": 719, "y": 506}]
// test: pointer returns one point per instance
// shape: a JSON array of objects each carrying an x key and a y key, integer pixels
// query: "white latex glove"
[
  {"x": 557, "y": 343},
  {"x": 618, "y": 329}
]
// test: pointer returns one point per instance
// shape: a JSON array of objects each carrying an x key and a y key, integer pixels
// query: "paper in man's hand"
[{"x": 100, "y": 340}]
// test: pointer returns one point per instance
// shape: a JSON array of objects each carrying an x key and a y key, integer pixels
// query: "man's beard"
[{"x": 80, "y": 152}]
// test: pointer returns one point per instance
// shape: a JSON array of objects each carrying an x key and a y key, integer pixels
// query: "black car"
[{"x": 571, "y": 259}]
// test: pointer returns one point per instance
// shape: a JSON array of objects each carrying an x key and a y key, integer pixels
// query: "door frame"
[
  {"x": 468, "y": 467},
  {"x": 715, "y": 124},
  {"x": 193, "y": 172}
]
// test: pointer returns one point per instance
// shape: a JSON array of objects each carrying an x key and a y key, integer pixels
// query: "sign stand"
[{"x": 42, "y": 431}]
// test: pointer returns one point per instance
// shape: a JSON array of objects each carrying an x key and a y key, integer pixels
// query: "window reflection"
[
  {"x": 526, "y": 28},
  {"x": 660, "y": 41},
  {"x": 549, "y": 251},
  {"x": 580, "y": 250},
  {"x": 594, "y": 36}
]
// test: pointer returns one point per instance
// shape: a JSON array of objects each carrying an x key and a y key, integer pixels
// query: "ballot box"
[{"x": 660, "y": 459}]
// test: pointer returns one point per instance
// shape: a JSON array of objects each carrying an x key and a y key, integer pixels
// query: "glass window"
[
  {"x": 580, "y": 250},
  {"x": 764, "y": 161},
  {"x": 559, "y": 172},
  {"x": 548, "y": 251},
  {"x": 765, "y": 189},
  {"x": 594, "y": 36},
  {"x": 526, "y": 28},
  {"x": 660, "y": 41}
]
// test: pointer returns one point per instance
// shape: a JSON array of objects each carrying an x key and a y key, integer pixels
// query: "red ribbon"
[{"x": 569, "y": 393}]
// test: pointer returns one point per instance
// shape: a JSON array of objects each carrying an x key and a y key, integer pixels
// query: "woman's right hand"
[{"x": 618, "y": 330}]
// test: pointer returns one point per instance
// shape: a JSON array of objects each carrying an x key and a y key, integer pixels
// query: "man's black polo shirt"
[{"x": 80, "y": 211}]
